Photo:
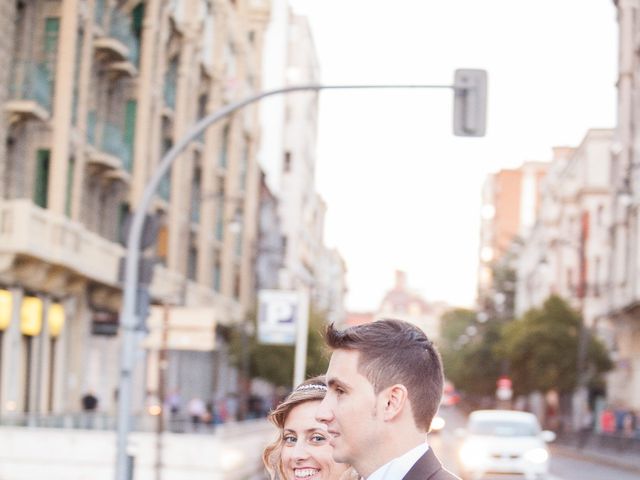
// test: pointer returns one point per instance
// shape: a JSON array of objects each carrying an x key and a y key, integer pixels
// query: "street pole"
[
  {"x": 161, "y": 391},
  {"x": 128, "y": 320},
  {"x": 582, "y": 395},
  {"x": 302, "y": 335}
]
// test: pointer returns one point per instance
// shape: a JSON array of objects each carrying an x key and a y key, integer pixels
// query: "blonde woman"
[{"x": 302, "y": 449}]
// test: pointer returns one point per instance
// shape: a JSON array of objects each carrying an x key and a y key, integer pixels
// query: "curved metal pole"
[{"x": 127, "y": 314}]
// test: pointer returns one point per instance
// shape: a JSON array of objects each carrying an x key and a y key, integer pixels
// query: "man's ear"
[{"x": 395, "y": 398}]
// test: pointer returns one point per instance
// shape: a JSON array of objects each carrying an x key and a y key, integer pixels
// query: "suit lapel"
[{"x": 426, "y": 466}]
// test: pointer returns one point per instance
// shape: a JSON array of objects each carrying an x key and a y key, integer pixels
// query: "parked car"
[{"x": 503, "y": 442}]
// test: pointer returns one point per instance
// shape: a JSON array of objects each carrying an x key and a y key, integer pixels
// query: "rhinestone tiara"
[{"x": 311, "y": 386}]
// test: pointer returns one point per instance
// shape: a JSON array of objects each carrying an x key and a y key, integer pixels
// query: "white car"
[{"x": 504, "y": 442}]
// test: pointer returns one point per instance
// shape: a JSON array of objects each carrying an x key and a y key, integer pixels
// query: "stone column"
[
  {"x": 12, "y": 367},
  {"x": 62, "y": 106}
]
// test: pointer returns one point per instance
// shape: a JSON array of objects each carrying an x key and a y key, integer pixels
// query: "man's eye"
[
  {"x": 339, "y": 391},
  {"x": 289, "y": 440},
  {"x": 317, "y": 438}
]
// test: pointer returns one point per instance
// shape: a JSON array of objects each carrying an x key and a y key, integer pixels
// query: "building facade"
[
  {"x": 96, "y": 92},
  {"x": 288, "y": 157},
  {"x": 624, "y": 284},
  {"x": 510, "y": 201},
  {"x": 567, "y": 251}
]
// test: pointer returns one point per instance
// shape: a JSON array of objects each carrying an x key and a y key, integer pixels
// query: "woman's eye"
[{"x": 289, "y": 439}]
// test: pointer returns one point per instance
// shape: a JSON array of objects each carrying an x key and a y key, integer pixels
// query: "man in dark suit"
[{"x": 385, "y": 384}]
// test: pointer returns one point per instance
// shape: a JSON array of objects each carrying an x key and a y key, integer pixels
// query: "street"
[{"x": 562, "y": 467}]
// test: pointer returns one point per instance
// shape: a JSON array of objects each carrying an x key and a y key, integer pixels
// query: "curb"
[{"x": 603, "y": 459}]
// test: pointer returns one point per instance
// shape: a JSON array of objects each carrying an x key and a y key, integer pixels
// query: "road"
[{"x": 562, "y": 467}]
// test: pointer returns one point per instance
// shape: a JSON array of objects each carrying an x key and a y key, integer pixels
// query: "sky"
[{"x": 404, "y": 193}]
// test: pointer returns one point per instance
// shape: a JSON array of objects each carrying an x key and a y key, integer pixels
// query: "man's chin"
[{"x": 339, "y": 456}]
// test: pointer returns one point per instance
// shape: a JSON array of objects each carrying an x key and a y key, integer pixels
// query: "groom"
[{"x": 385, "y": 384}]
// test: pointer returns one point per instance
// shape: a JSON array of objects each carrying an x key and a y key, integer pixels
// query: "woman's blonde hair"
[{"x": 313, "y": 389}]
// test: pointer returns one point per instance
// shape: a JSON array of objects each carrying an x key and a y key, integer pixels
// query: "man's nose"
[{"x": 324, "y": 414}]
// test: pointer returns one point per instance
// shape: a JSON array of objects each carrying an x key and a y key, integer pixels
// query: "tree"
[
  {"x": 454, "y": 323},
  {"x": 274, "y": 363},
  {"x": 467, "y": 350},
  {"x": 542, "y": 348}
]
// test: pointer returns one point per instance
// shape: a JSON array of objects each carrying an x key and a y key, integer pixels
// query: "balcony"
[
  {"x": 116, "y": 45},
  {"x": 172, "y": 287},
  {"x": 109, "y": 150},
  {"x": 29, "y": 92},
  {"x": 31, "y": 233}
]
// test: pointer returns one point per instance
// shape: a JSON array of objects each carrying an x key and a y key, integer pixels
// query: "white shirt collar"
[{"x": 399, "y": 466}]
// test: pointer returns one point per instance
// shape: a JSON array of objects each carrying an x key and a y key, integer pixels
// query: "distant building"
[
  {"x": 402, "y": 303},
  {"x": 510, "y": 201},
  {"x": 270, "y": 254},
  {"x": 358, "y": 318},
  {"x": 567, "y": 251},
  {"x": 331, "y": 287},
  {"x": 288, "y": 158}
]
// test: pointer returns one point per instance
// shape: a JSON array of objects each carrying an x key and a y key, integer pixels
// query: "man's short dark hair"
[{"x": 394, "y": 351}]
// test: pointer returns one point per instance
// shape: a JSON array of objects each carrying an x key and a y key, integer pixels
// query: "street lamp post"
[{"x": 470, "y": 101}]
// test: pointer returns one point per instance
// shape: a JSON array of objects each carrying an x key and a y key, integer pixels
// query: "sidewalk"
[{"x": 621, "y": 455}]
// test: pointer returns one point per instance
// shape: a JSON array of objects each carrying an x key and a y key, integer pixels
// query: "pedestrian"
[
  {"x": 89, "y": 402},
  {"x": 196, "y": 409},
  {"x": 385, "y": 383},
  {"x": 174, "y": 402},
  {"x": 303, "y": 447},
  {"x": 607, "y": 421}
]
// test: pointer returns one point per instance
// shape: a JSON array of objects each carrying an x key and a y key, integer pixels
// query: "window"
[
  {"x": 195, "y": 195},
  {"x": 162, "y": 244},
  {"x": 76, "y": 75},
  {"x": 123, "y": 214},
  {"x": 137, "y": 18},
  {"x": 170, "y": 80},
  {"x": 130, "y": 132},
  {"x": 244, "y": 163},
  {"x": 51, "y": 34},
  {"x": 236, "y": 285},
  {"x": 216, "y": 275},
  {"x": 600, "y": 215},
  {"x": 41, "y": 190},
  {"x": 569, "y": 278},
  {"x": 596, "y": 277},
  {"x": 287, "y": 162},
  {"x": 220, "y": 216},
  {"x": 70, "y": 175},
  {"x": 192, "y": 266},
  {"x": 224, "y": 147}
]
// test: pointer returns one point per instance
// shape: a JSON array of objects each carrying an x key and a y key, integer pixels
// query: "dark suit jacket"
[{"x": 428, "y": 467}]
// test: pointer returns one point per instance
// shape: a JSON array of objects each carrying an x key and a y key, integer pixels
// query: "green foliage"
[
  {"x": 454, "y": 322},
  {"x": 274, "y": 363},
  {"x": 469, "y": 360},
  {"x": 542, "y": 349}
]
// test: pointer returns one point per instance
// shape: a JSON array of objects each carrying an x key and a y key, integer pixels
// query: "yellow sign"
[
  {"x": 55, "y": 319},
  {"x": 31, "y": 316},
  {"x": 6, "y": 302}
]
